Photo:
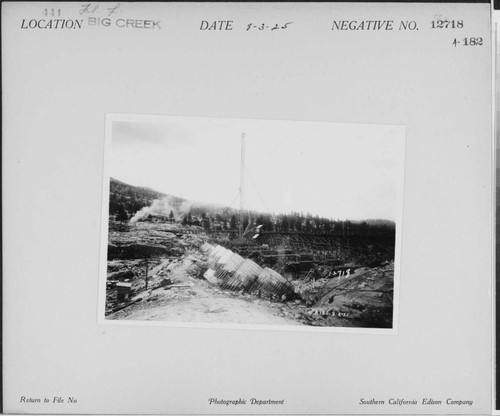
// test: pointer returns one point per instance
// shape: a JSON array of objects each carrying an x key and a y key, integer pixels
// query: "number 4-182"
[{"x": 468, "y": 42}]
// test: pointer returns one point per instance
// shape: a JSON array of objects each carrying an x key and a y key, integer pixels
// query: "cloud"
[{"x": 133, "y": 133}]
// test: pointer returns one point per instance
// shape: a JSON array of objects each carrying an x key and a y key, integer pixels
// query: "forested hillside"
[
  {"x": 127, "y": 201},
  {"x": 129, "y": 198}
]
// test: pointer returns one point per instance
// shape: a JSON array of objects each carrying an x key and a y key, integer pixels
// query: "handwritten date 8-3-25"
[{"x": 263, "y": 26}]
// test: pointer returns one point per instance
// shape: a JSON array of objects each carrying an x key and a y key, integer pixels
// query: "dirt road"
[{"x": 203, "y": 303}]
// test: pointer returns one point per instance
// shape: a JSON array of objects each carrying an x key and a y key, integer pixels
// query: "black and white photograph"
[{"x": 253, "y": 222}]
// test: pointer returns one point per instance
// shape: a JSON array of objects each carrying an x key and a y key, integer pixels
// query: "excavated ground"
[{"x": 177, "y": 291}]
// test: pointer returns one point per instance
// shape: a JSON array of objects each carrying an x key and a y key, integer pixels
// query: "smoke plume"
[{"x": 163, "y": 207}]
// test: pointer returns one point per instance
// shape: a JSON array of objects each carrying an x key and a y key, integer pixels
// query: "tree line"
[
  {"x": 292, "y": 222},
  {"x": 125, "y": 200}
]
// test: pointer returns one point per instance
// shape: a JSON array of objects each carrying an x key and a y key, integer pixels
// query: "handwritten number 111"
[{"x": 52, "y": 12}]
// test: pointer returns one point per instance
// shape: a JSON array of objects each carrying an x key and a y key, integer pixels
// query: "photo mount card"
[{"x": 69, "y": 69}]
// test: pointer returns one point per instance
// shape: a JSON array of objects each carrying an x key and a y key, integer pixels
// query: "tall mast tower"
[{"x": 242, "y": 183}]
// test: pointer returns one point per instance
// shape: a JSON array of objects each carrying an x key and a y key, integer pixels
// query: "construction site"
[
  {"x": 178, "y": 273},
  {"x": 171, "y": 260}
]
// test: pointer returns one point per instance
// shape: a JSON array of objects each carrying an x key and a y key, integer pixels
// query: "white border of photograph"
[
  {"x": 101, "y": 319},
  {"x": 495, "y": 145}
]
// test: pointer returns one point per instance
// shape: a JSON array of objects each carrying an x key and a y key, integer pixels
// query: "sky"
[{"x": 335, "y": 170}]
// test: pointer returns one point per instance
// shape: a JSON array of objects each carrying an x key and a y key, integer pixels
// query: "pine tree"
[
  {"x": 122, "y": 214},
  {"x": 232, "y": 223}
]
